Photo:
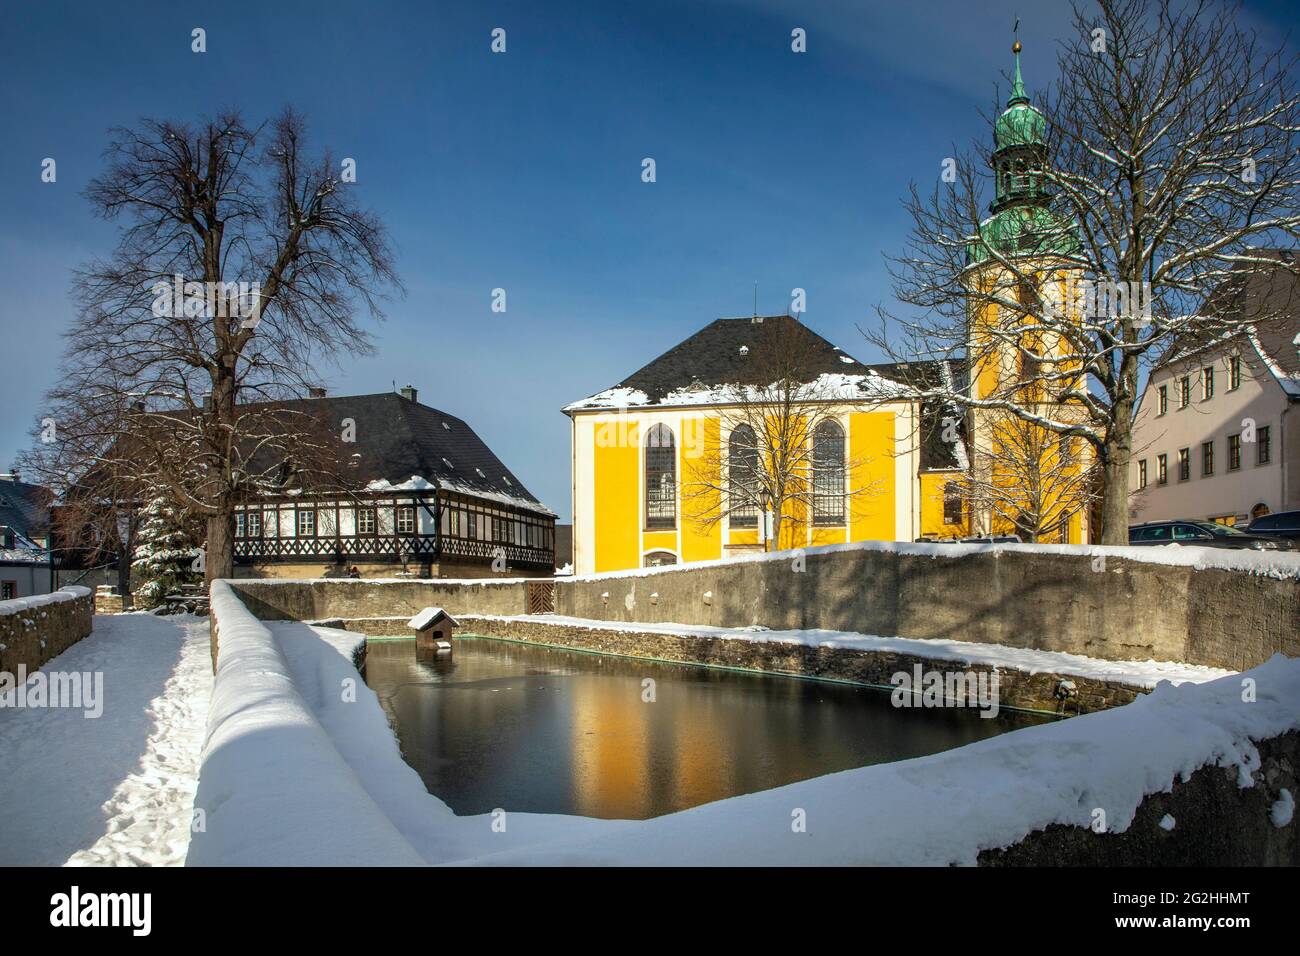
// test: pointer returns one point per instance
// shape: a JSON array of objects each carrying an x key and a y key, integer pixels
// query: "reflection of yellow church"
[{"x": 656, "y": 457}]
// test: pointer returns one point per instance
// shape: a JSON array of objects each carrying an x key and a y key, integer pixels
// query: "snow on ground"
[
  {"x": 301, "y": 767},
  {"x": 299, "y": 770},
  {"x": 117, "y": 789},
  {"x": 1135, "y": 673}
]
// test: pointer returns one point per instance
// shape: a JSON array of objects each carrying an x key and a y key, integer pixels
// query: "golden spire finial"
[{"x": 1015, "y": 47}]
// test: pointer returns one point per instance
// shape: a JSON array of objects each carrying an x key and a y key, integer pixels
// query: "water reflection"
[{"x": 496, "y": 724}]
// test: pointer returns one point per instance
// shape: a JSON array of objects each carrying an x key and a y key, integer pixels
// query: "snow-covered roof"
[{"x": 716, "y": 364}]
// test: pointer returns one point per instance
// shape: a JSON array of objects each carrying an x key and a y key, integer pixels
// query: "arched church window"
[
  {"x": 660, "y": 478},
  {"x": 828, "y": 474}
]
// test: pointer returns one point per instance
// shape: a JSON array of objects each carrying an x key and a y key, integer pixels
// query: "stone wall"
[
  {"x": 1017, "y": 689},
  {"x": 34, "y": 630},
  {"x": 1021, "y": 598},
  {"x": 1201, "y": 836},
  {"x": 347, "y": 598}
]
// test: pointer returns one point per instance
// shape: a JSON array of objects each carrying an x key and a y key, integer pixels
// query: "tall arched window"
[
  {"x": 828, "y": 474},
  {"x": 742, "y": 477},
  {"x": 660, "y": 478}
]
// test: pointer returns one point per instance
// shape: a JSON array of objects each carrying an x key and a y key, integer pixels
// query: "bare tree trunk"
[
  {"x": 1114, "y": 477},
  {"x": 219, "y": 553}
]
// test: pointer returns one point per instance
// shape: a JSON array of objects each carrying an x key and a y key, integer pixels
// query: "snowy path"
[{"x": 117, "y": 790}]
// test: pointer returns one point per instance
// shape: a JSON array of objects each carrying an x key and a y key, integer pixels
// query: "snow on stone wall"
[
  {"x": 294, "y": 775},
  {"x": 273, "y": 789},
  {"x": 35, "y": 629}
]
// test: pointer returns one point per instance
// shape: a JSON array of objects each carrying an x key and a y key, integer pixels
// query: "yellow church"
[{"x": 756, "y": 433}]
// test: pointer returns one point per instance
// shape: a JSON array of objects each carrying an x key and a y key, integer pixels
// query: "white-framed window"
[
  {"x": 405, "y": 519},
  {"x": 1207, "y": 383},
  {"x": 254, "y": 526},
  {"x": 239, "y": 524},
  {"x": 306, "y": 523},
  {"x": 365, "y": 521},
  {"x": 1234, "y": 372}
]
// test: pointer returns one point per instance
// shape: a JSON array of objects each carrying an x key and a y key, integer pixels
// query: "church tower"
[{"x": 1022, "y": 263}]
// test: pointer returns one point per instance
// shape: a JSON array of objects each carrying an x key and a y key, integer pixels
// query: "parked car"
[
  {"x": 1281, "y": 524},
  {"x": 1203, "y": 534}
]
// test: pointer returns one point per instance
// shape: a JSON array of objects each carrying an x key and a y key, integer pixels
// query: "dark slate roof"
[
  {"x": 730, "y": 352},
  {"x": 397, "y": 439},
  {"x": 712, "y": 356},
  {"x": 24, "y": 508}
]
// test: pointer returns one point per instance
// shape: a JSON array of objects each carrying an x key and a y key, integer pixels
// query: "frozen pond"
[{"x": 532, "y": 729}]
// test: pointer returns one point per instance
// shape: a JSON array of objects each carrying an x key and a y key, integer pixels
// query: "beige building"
[{"x": 1217, "y": 432}]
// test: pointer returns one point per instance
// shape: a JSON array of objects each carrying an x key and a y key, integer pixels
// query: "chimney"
[
  {"x": 408, "y": 393},
  {"x": 315, "y": 391}
]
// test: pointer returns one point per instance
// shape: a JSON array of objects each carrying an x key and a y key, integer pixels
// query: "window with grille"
[
  {"x": 365, "y": 521},
  {"x": 306, "y": 524},
  {"x": 1142, "y": 473},
  {"x": 1207, "y": 458},
  {"x": 1234, "y": 452},
  {"x": 239, "y": 524},
  {"x": 254, "y": 524},
  {"x": 1264, "y": 450},
  {"x": 1234, "y": 372},
  {"x": 828, "y": 474},
  {"x": 1162, "y": 469},
  {"x": 742, "y": 465},
  {"x": 1184, "y": 464},
  {"x": 1163, "y": 394},
  {"x": 1207, "y": 383},
  {"x": 1184, "y": 391},
  {"x": 406, "y": 520},
  {"x": 660, "y": 478}
]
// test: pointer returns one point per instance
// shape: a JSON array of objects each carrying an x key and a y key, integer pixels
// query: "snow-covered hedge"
[{"x": 273, "y": 788}]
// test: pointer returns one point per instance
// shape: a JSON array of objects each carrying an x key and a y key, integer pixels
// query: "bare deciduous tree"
[
  {"x": 1030, "y": 481},
  {"x": 781, "y": 445},
  {"x": 172, "y": 388},
  {"x": 1169, "y": 164}
]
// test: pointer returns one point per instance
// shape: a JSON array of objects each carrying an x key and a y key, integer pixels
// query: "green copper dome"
[
  {"x": 1021, "y": 224},
  {"x": 1024, "y": 231},
  {"x": 1020, "y": 124}
]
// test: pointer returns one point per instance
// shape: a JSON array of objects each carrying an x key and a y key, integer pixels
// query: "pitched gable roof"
[
  {"x": 730, "y": 352},
  {"x": 24, "y": 509},
  {"x": 395, "y": 440},
  {"x": 1267, "y": 298},
  {"x": 398, "y": 438}
]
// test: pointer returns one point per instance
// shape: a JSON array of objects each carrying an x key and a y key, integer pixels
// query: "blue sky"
[{"x": 522, "y": 170}]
